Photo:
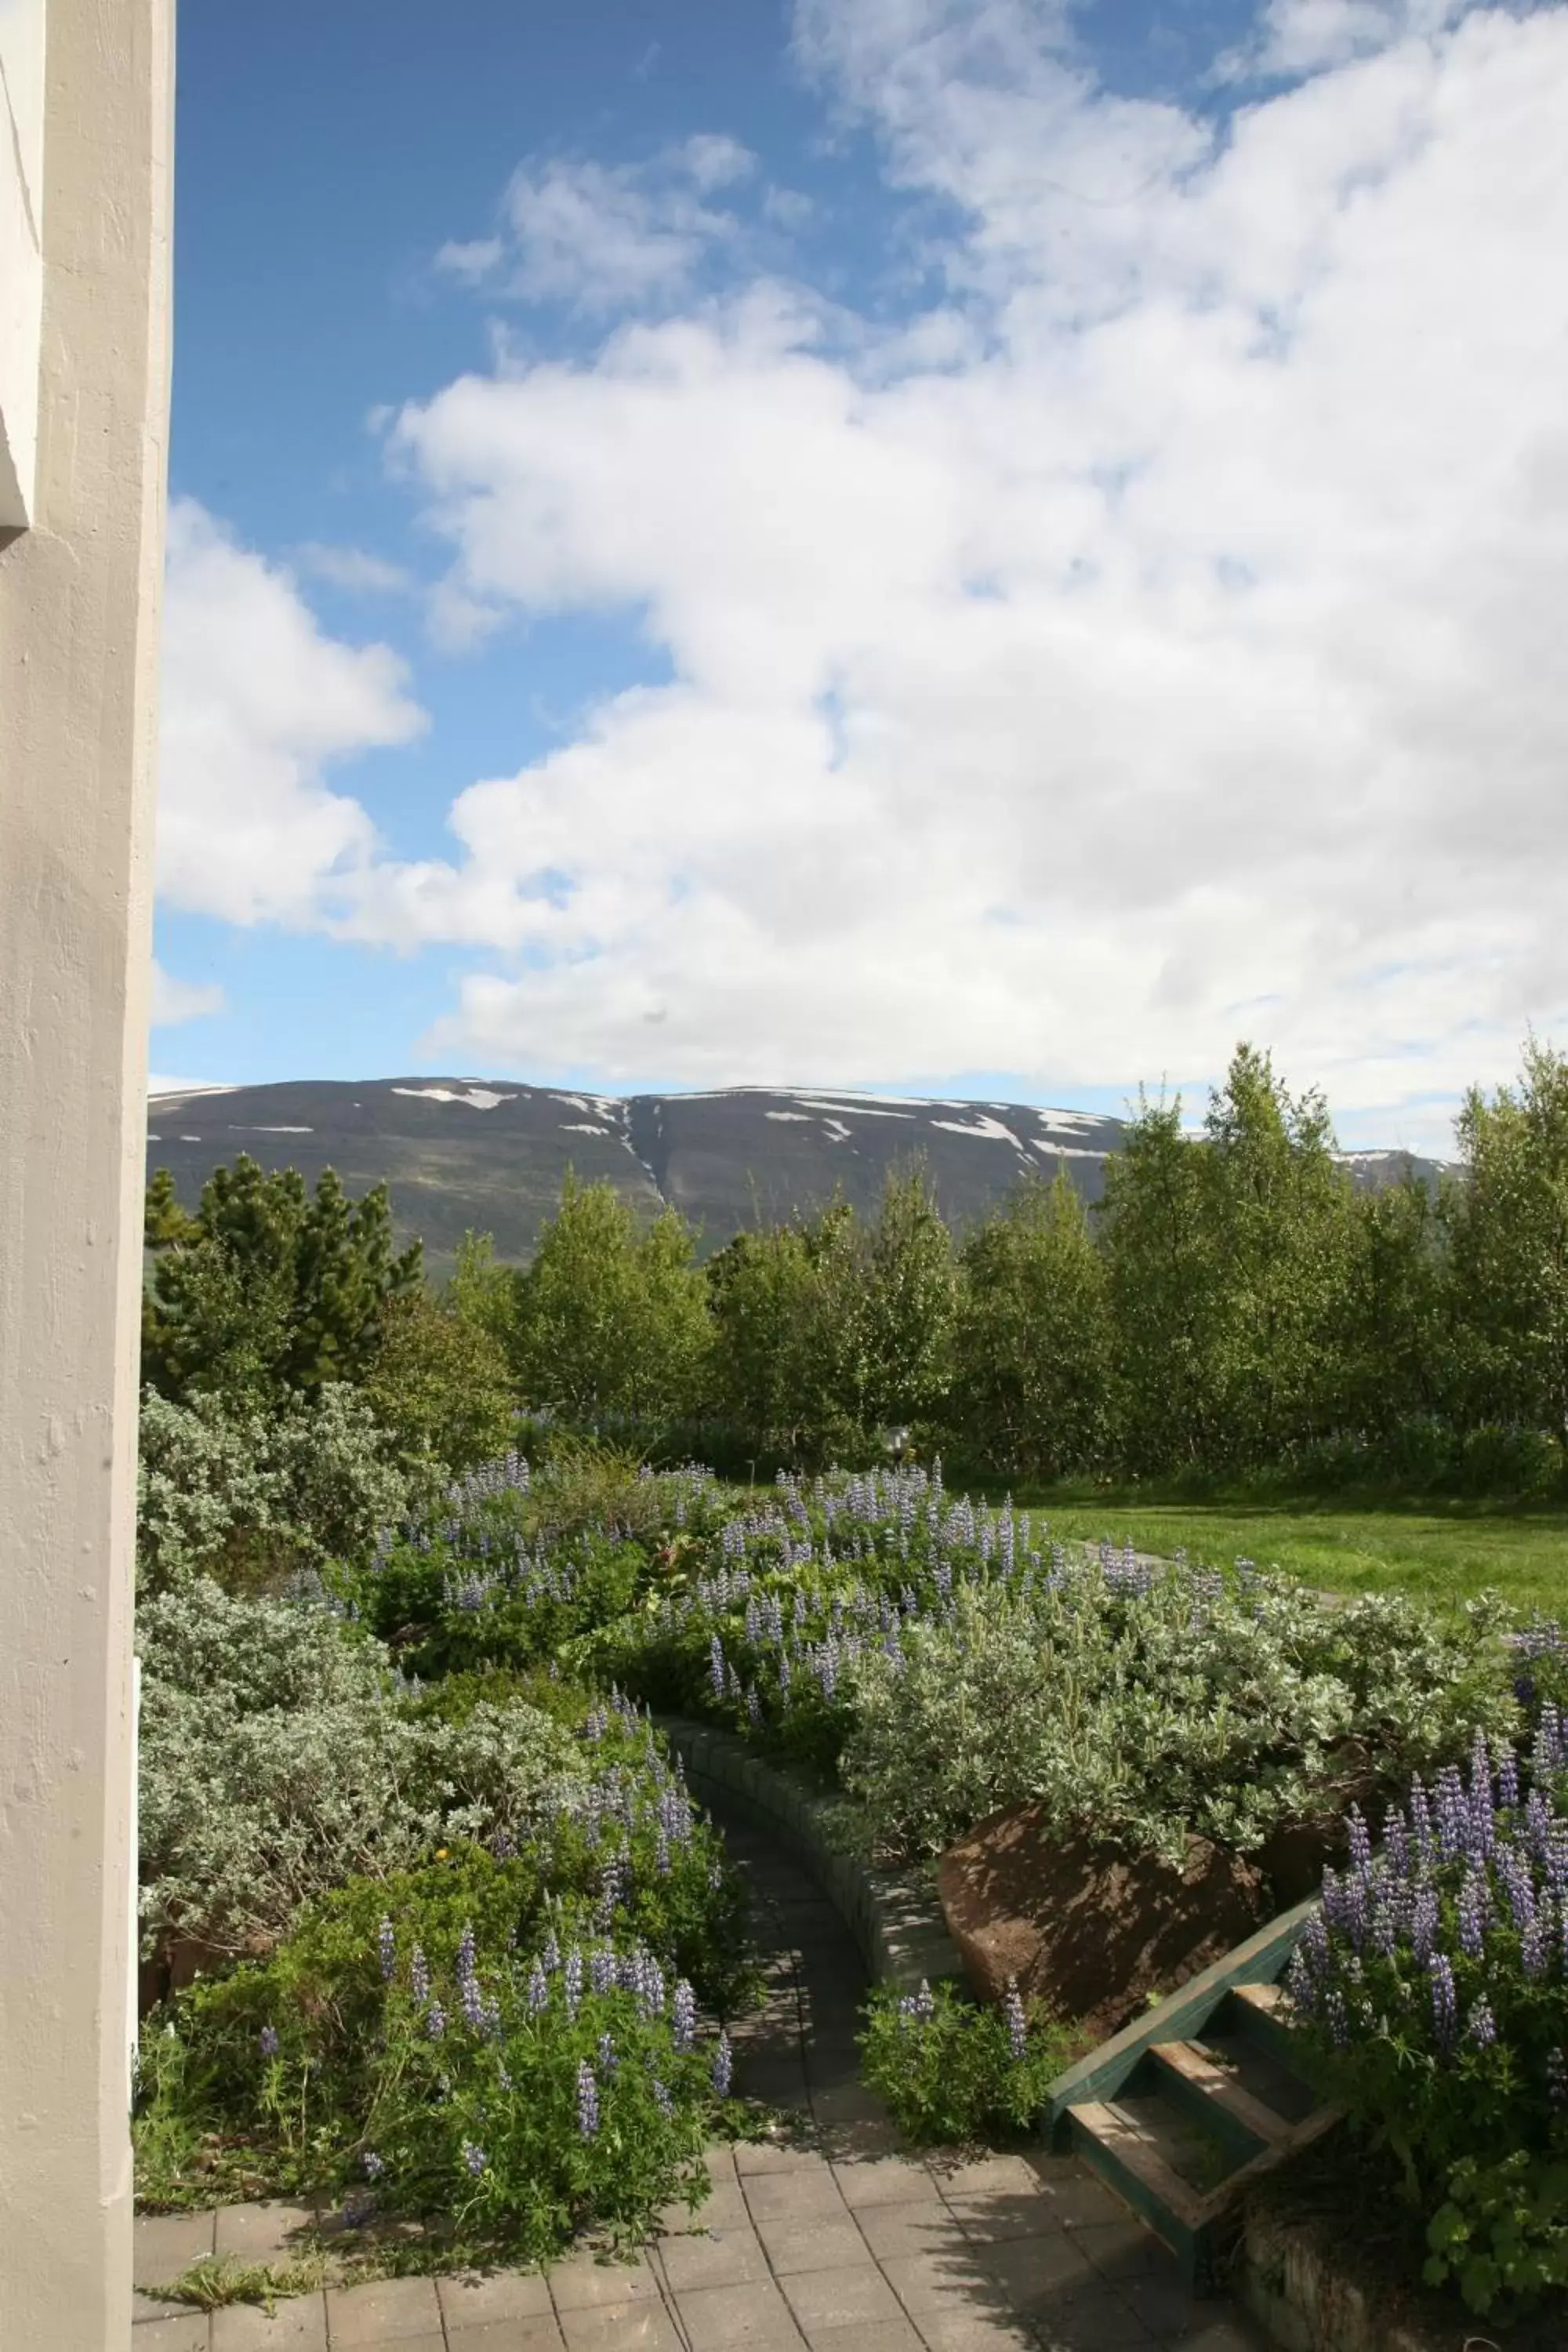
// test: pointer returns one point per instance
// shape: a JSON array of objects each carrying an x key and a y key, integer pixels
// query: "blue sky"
[{"x": 895, "y": 542}]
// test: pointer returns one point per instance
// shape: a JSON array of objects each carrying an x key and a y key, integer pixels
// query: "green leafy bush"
[
  {"x": 951, "y": 2073},
  {"x": 483, "y": 2040},
  {"x": 1434, "y": 1990}
]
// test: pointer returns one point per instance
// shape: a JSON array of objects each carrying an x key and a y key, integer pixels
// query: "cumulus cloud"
[
  {"x": 257, "y": 702},
  {"x": 181, "y": 1000},
  {"x": 352, "y": 568},
  {"x": 1153, "y": 642},
  {"x": 604, "y": 238}
]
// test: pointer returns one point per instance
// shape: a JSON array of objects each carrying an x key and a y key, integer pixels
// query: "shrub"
[
  {"x": 946, "y": 1666},
  {"x": 480, "y": 2040},
  {"x": 252, "y": 1497},
  {"x": 277, "y": 1762},
  {"x": 952, "y": 2072},
  {"x": 1435, "y": 1989}
]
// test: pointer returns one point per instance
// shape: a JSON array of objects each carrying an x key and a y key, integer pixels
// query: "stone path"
[{"x": 828, "y": 2242}]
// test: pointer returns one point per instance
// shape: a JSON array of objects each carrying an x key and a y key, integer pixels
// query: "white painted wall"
[
  {"x": 78, "y": 674},
  {"x": 21, "y": 252}
]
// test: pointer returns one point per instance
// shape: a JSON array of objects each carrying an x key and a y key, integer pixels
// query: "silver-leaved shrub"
[
  {"x": 1221, "y": 1706},
  {"x": 252, "y": 1495},
  {"x": 278, "y": 1759}
]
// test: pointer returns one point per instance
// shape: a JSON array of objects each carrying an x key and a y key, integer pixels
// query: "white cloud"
[
  {"x": 181, "y": 1000},
  {"x": 606, "y": 238},
  {"x": 1153, "y": 642},
  {"x": 257, "y": 703},
  {"x": 1300, "y": 36},
  {"x": 354, "y": 570},
  {"x": 1169, "y": 653}
]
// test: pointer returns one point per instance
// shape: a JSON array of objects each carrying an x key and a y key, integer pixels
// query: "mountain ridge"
[{"x": 490, "y": 1155}]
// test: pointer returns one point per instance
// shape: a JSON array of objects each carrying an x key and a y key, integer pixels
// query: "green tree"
[
  {"x": 610, "y": 1318},
  {"x": 793, "y": 1341},
  {"x": 1033, "y": 1349},
  {"x": 267, "y": 1289},
  {"x": 1397, "y": 1320},
  {"x": 441, "y": 1384},
  {"x": 910, "y": 1301},
  {"x": 1508, "y": 1227},
  {"x": 1281, "y": 1250},
  {"x": 1163, "y": 1283}
]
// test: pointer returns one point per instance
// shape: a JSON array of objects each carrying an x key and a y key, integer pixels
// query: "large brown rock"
[{"x": 1084, "y": 1926}]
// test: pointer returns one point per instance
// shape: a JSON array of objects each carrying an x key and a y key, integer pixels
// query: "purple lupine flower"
[
  {"x": 683, "y": 2014},
  {"x": 374, "y": 2165},
  {"x": 1359, "y": 1842},
  {"x": 466, "y": 1955},
  {"x": 1396, "y": 1844},
  {"x": 266, "y": 2041},
  {"x": 552, "y": 1955},
  {"x": 474, "y": 2158},
  {"x": 723, "y": 2065},
  {"x": 1483, "y": 2024},
  {"x": 1473, "y": 1908},
  {"x": 587, "y": 2100},
  {"x": 1445, "y": 1999},
  {"x": 419, "y": 1976},
  {"x": 608, "y": 2061},
  {"x": 387, "y": 1943},
  {"x": 1424, "y": 1921},
  {"x": 1421, "y": 1822},
  {"x": 1557, "y": 2077},
  {"x": 435, "y": 2020},
  {"x": 538, "y": 1990},
  {"x": 1338, "y": 2017},
  {"x": 924, "y": 2003},
  {"x": 662, "y": 2099},
  {"x": 716, "y": 1665},
  {"x": 600, "y": 1968},
  {"x": 473, "y": 2002},
  {"x": 572, "y": 1981},
  {"x": 1508, "y": 1782},
  {"x": 1017, "y": 2024}
]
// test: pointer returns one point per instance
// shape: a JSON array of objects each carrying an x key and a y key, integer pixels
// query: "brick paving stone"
[
  {"x": 580, "y": 2283},
  {"x": 384, "y": 2311},
  {"x": 470, "y": 2296},
  {"x": 885, "y": 2180},
  {"x": 147, "y": 2307},
  {"x": 852, "y": 2297},
  {"x": 1079, "y": 2197},
  {"x": 191, "y": 2332},
  {"x": 1121, "y": 2249},
  {"x": 537, "y": 2333},
  {"x": 1033, "y": 2273},
  {"x": 732, "y": 2259},
  {"x": 752, "y": 2318},
  {"x": 793, "y": 2195},
  {"x": 1096, "y": 2321},
  {"x": 261, "y": 2234},
  {"x": 988, "y": 2176},
  {"x": 299, "y": 2324},
  {"x": 817, "y": 2244},
  {"x": 883, "y": 2336},
  {"x": 890, "y": 2231},
  {"x": 974, "y": 2329},
  {"x": 938, "y": 2282},
  {"x": 621, "y": 2327},
  {"x": 163, "y": 2244},
  {"x": 776, "y": 2156}
]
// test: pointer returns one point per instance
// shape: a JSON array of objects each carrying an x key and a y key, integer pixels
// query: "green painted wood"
[
  {"x": 1266, "y": 2034},
  {"x": 1236, "y": 2143},
  {"x": 1180, "y": 2018},
  {"x": 1193, "y": 2248}
]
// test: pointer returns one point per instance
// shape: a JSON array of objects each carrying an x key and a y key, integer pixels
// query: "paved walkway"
[{"x": 831, "y": 2242}]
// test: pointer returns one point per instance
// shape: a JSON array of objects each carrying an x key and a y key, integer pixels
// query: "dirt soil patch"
[{"x": 1085, "y": 1926}]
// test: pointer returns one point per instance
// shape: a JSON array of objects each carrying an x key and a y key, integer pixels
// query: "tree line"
[{"x": 1234, "y": 1303}]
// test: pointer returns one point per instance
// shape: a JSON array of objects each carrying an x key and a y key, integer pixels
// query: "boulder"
[{"x": 1085, "y": 1926}]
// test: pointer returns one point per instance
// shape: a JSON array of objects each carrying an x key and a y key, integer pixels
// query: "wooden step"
[
  {"x": 1194, "y": 2076},
  {"x": 1123, "y": 2153},
  {"x": 1263, "y": 2013}
]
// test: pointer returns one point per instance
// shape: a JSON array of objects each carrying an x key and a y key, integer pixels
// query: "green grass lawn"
[{"x": 1440, "y": 1552}]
